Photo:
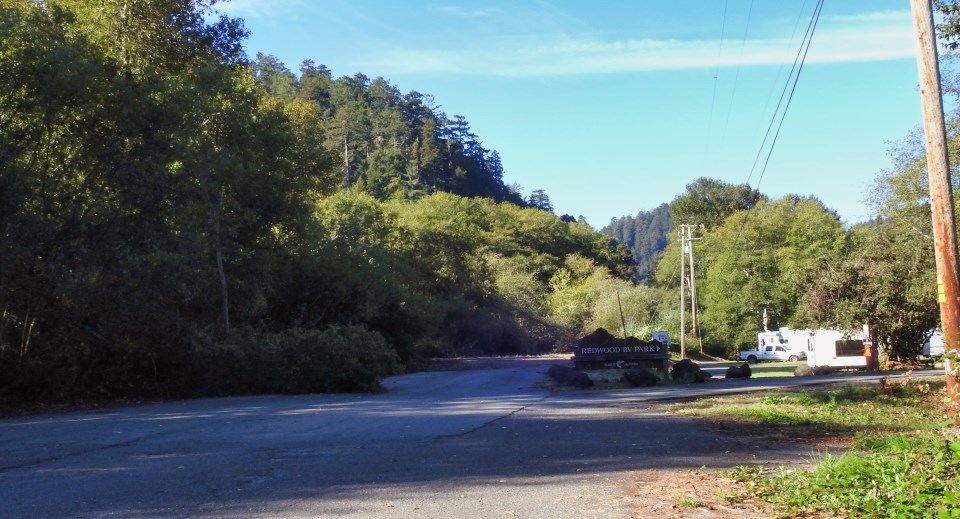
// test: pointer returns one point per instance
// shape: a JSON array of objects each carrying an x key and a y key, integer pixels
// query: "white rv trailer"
[
  {"x": 838, "y": 348},
  {"x": 824, "y": 347},
  {"x": 933, "y": 347}
]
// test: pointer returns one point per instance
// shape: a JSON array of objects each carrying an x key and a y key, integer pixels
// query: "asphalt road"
[{"x": 479, "y": 444}]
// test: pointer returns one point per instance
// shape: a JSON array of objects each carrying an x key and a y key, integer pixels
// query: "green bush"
[
  {"x": 347, "y": 358},
  {"x": 336, "y": 359}
]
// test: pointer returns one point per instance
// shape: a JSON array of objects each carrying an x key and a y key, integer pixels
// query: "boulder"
[
  {"x": 823, "y": 370},
  {"x": 640, "y": 378},
  {"x": 803, "y": 371},
  {"x": 741, "y": 371},
  {"x": 687, "y": 371},
  {"x": 569, "y": 376}
]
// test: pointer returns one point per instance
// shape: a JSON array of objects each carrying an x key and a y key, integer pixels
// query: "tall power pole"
[
  {"x": 694, "y": 327},
  {"x": 686, "y": 254},
  {"x": 941, "y": 193},
  {"x": 683, "y": 281}
]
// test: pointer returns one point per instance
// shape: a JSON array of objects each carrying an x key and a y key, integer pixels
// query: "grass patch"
[
  {"x": 902, "y": 462},
  {"x": 688, "y": 502},
  {"x": 845, "y": 410}
]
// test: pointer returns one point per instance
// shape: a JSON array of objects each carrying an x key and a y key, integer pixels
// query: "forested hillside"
[
  {"x": 176, "y": 219},
  {"x": 645, "y": 235},
  {"x": 179, "y": 219},
  {"x": 388, "y": 144}
]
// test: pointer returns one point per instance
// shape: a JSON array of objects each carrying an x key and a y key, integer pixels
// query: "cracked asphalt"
[{"x": 483, "y": 444}]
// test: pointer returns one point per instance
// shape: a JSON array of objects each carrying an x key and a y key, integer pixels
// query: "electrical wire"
[
  {"x": 716, "y": 73},
  {"x": 800, "y": 59},
  {"x": 736, "y": 76},
  {"x": 801, "y": 53},
  {"x": 792, "y": 91}
]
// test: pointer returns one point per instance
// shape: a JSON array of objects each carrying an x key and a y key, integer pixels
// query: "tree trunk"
[{"x": 218, "y": 254}]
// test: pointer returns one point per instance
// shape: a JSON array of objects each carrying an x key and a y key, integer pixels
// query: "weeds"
[
  {"x": 922, "y": 481},
  {"x": 688, "y": 502},
  {"x": 901, "y": 462}
]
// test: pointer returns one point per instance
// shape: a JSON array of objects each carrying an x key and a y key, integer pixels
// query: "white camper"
[
  {"x": 837, "y": 349},
  {"x": 821, "y": 347},
  {"x": 793, "y": 341},
  {"x": 934, "y": 345}
]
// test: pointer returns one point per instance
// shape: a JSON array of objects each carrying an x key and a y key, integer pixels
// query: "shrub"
[
  {"x": 338, "y": 359},
  {"x": 335, "y": 359}
]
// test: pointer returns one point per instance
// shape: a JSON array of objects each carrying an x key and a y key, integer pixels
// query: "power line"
[
  {"x": 800, "y": 59},
  {"x": 716, "y": 73},
  {"x": 736, "y": 76},
  {"x": 816, "y": 18},
  {"x": 793, "y": 34}
]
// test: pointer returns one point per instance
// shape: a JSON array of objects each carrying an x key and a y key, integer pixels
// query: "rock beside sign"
[
  {"x": 569, "y": 376},
  {"x": 687, "y": 371},
  {"x": 640, "y": 378},
  {"x": 741, "y": 371}
]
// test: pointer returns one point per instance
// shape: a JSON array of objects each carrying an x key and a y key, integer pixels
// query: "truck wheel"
[
  {"x": 752, "y": 359},
  {"x": 793, "y": 358}
]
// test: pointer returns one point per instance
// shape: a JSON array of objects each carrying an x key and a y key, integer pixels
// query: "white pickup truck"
[{"x": 772, "y": 352}]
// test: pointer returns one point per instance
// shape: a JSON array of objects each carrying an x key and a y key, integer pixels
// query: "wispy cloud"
[
  {"x": 462, "y": 12},
  {"x": 869, "y": 36},
  {"x": 257, "y": 8}
]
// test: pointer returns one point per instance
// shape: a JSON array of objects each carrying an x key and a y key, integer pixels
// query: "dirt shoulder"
[{"x": 705, "y": 493}]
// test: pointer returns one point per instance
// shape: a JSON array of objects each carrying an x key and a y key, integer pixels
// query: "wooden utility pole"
[
  {"x": 694, "y": 327},
  {"x": 941, "y": 193},
  {"x": 346, "y": 160},
  {"x": 686, "y": 254},
  {"x": 683, "y": 280}
]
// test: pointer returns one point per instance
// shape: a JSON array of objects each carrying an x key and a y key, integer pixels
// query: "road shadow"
[{"x": 257, "y": 455}]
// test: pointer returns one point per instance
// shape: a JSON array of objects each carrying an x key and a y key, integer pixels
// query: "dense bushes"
[
  {"x": 349, "y": 358},
  {"x": 173, "y": 222}
]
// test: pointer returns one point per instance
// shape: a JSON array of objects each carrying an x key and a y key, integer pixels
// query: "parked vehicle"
[
  {"x": 777, "y": 345},
  {"x": 770, "y": 353},
  {"x": 781, "y": 345},
  {"x": 838, "y": 349},
  {"x": 821, "y": 347},
  {"x": 933, "y": 347}
]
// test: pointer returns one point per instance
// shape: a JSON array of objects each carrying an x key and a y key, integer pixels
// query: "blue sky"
[{"x": 613, "y": 107}]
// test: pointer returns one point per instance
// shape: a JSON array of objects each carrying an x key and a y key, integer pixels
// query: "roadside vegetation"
[
  {"x": 880, "y": 451},
  {"x": 179, "y": 218}
]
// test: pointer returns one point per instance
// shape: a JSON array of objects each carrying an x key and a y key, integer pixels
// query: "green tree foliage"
[
  {"x": 177, "y": 220},
  {"x": 761, "y": 259},
  {"x": 147, "y": 191},
  {"x": 885, "y": 275},
  {"x": 494, "y": 267},
  {"x": 709, "y": 202},
  {"x": 388, "y": 144},
  {"x": 274, "y": 77},
  {"x": 171, "y": 219},
  {"x": 631, "y": 309},
  {"x": 539, "y": 199},
  {"x": 646, "y": 235},
  {"x": 948, "y": 26}
]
